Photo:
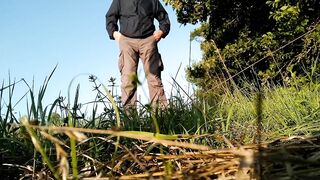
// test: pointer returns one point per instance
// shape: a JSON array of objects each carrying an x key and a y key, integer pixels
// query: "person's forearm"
[
  {"x": 112, "y": 17},
  {"x": 163, "y": 19}
]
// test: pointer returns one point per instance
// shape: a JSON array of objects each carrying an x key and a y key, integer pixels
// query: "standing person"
[{"x": 138, "y": 38}]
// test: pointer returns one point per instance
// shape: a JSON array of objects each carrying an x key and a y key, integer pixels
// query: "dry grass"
[
  {"x": 148, "y": 156},
  {"x": 290, "y": 158}
]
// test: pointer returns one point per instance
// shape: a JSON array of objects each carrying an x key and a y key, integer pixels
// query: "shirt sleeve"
[
  {"x": 163, "y": 19},
  {"x": 112, "y": 18}
]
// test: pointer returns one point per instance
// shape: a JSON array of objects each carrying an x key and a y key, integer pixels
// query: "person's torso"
[{"x": 136, "y": 17}]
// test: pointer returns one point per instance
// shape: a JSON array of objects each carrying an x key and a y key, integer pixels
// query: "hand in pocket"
[{"x": 117, "y": 35}]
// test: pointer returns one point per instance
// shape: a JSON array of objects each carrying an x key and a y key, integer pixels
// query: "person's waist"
[{"x": 137, "y": 35}]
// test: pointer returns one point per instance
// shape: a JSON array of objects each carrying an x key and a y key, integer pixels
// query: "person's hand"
[
  {"x": 157, "y": 35},
  {"x": 117, "y": 35}
]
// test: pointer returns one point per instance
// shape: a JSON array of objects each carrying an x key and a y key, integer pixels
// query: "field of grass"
[{"x": 270, "y": 133}]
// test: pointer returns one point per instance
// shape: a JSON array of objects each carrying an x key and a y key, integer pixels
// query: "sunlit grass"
[{"x": 98, "y": 143}]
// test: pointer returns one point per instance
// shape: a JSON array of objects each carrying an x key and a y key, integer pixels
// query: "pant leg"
[
  {"x": 128, "y": 64},
  {"x": 153, "y": 66}
]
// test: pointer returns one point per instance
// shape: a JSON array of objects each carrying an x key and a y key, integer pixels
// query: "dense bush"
[{"x": 253, "y": 42}]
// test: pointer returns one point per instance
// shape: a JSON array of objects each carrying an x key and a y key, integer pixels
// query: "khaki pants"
[{"x": 131, "y": 49}]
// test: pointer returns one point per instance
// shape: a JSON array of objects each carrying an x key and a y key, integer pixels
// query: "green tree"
[{"x": 253, "y": 41}]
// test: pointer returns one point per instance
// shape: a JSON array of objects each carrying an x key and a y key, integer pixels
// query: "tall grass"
[
  {"x": 92, "y": 146},
  {"x": 287, "y": 111}
]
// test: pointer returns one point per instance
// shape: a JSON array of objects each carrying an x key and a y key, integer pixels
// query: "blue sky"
[{"x": 36, "y": 35}]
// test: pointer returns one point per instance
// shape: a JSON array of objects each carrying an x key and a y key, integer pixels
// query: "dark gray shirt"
[{"x": 136, "y": 18}]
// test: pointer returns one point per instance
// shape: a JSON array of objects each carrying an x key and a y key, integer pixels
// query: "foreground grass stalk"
[
  {"x": 259, "y": 106},
  {"x": 116, "y": 109},
  {"x": 34, "y": 163},
  {"x": 166, "y": 164},
  {"x": 166, "y": 140},
  {"x": 39, "y": 148},
  {"x": 72, "y": 123},
  {"x": 74, "y": 158},
  {"x": 155, "y": 122}
]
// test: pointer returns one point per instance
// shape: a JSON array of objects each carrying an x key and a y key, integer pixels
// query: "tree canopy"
[{"x": 253, "y": 41}]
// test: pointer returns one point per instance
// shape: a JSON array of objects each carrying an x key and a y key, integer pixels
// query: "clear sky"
[{"x": 36, "y": 35}]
